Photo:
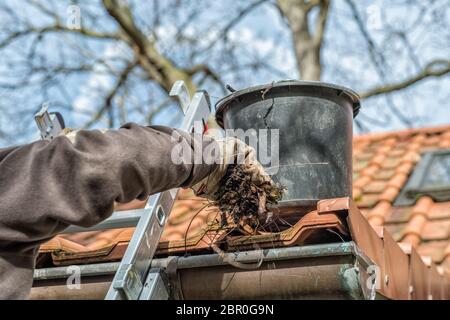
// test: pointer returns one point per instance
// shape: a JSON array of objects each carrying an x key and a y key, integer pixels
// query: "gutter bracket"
[
  {"x": 370, "y": 273},
  {"x": 174, "y": 278}
]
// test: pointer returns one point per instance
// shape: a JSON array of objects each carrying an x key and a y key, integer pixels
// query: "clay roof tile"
[
  {"x": 389, "y": 194},
  {"x": 422, "y": 206},
  {"x": 398, "y": 180}
]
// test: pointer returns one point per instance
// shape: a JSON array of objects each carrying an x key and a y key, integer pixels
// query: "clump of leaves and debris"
[{"x": 243, "y": 201}]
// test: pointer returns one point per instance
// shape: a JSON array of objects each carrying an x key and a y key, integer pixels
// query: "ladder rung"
[{"x": 119, "y": 219}]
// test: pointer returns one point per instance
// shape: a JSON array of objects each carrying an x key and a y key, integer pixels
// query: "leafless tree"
[
  {"x": 307, "y": 21},
  {"x": 106, "y": 62},
  {"x": 125, "y": 55}
]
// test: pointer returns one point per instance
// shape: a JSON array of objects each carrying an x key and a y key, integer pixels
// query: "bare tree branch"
[
  {"x": 378, "y": 60},
  {"x": 208, "y": 72},
  {"x": 159, "y": 68},
  {"x": 57, "y": 28},
  {"x": 431, "y": 70},
  {"x": 375, "y": 55},
  {"x": 158, "y": 108},
  {"x": 242, "y": 14},
  {"x": 107, "y": 106}
]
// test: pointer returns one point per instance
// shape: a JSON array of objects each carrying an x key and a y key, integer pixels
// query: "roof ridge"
[{"x": 404, "y": 132}]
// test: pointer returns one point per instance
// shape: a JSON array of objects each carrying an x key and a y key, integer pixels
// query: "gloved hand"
[{"x": 232, "y": 151}]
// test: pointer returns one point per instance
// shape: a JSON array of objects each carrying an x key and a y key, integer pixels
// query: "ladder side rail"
[{"x": 130, "y": 278}]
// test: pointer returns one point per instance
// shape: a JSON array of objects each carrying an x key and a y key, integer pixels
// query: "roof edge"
[{"x": 405, "y": 132}]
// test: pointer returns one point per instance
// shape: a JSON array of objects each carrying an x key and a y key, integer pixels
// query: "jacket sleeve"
[{"x": 46, "y": 186}]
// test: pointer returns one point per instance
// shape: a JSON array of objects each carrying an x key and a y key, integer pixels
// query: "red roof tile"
[{"x": 424, "y": 225}]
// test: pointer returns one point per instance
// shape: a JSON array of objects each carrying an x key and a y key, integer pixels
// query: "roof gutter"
[{"x": 326, "y": 271}]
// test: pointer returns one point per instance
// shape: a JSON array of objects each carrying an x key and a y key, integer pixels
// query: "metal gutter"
[
  {"x": 86, "y": 291},
  {"x": 88, "y": 270},
  {"x": 328, "y": 271},
  {"x": 277, "y": 254},
  {"x": 209, "y": 260}
]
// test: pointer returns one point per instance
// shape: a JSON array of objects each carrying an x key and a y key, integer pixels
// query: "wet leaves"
[{"x": 243, "y": 202}]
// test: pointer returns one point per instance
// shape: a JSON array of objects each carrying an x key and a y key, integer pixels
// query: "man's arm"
[{"x": 46, "y": 186}]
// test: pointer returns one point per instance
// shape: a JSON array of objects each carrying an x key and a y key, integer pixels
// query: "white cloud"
[{"x": 280, "y": 57}]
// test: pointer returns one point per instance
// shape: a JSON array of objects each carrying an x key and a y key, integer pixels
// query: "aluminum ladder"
[{"x": 135, "y": 279}]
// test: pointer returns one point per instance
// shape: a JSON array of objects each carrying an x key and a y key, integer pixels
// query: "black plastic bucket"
[{"x": 314, "y": 122}]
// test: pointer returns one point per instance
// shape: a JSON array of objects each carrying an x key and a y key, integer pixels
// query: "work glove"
[{"x": 232, "y": 151}]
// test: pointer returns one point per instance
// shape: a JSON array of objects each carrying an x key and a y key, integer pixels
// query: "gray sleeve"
[{"x": 46, "y": 186}]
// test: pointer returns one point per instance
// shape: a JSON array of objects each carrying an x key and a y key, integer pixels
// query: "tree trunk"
[
  {"x": 306, "y": 45},
  {"x": 308, "y": 60}
]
